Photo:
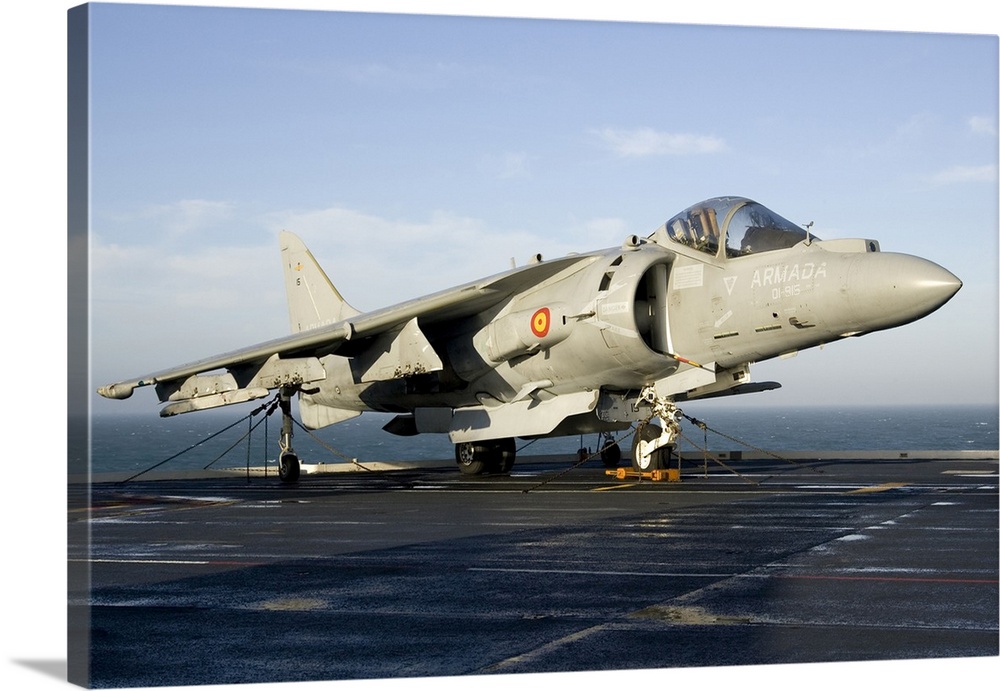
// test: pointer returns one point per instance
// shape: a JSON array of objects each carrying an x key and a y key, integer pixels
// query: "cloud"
[
  {"x": 376, "y": 261},
  {"x": 514, "y": 165},
  {"x": 153, "y": 306},
  {"x": 601, "y": 232},
  {"x": 982, "y": 125},
  {"x": 916, "y": 127},
  {"x": 957, "y": 175},
  {"x": 158, "y": 277},
  {"x": 642, "y": 142},
  {"x": 160, "y": 304},
  {"x": 189, "y": 215}
]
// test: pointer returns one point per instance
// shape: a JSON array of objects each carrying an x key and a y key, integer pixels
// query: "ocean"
[{"x": 136, "y": 442}]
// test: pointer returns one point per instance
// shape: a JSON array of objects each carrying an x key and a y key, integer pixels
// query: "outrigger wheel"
[
  {"x": 288, "y": 462},
  {"x": 288, "y": 467}
]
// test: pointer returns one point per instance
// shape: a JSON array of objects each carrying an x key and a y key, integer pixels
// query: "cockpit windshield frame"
[{"x": 729, "y": 227}]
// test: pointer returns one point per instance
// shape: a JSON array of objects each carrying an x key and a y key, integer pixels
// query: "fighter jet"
[{"x": 599, "y": 342}]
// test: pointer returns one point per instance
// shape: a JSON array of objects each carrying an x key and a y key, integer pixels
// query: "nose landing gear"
[{"x": 653, "y": 443}]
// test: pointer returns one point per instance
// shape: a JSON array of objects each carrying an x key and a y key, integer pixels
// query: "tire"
[
  {"x": 506, "y": 450},
  {"x": 647, "y": 432},
  {"x": 472, "y": 458},
  {"x": 611, "y": 455},
  {"x": 289, "y": 468}
]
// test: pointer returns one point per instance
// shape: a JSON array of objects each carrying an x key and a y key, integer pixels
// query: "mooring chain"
[
  {"x": 331, "y": 449},
  {"x": 704, "y": 426},
  {"x": 670, "y": 419},
  {"x": 700, "y": 424},
  {"x": 719, "y": 461},
  {"x": 584, "y": 459},
  {"x": 202, "y": 441},
  {"x": 238, "y": 441}
]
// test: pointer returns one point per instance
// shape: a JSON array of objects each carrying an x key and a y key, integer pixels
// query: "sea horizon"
[{"x": 138, "y": 440}]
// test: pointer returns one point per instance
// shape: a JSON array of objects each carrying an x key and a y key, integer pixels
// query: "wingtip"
[{"x": 116, "y": 391}]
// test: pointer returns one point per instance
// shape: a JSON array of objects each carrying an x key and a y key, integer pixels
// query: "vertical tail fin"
[{"x": 313, "y": 301}]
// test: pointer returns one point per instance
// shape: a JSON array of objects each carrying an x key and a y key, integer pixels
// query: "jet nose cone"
[
  {"x": 935, "y": 283},
  {"x": 926, "y": 285},
  {"x": 893, "y": 289}
]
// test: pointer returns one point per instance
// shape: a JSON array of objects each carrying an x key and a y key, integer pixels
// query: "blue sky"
[{"x": 416, "y": 152}]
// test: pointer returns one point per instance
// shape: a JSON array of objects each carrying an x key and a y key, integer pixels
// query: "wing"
[{"x": 293, "y": 361}]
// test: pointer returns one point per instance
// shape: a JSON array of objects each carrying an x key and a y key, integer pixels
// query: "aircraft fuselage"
[
  {"x": 683, "y": 315},
  {"x": 589, "y": 342}
]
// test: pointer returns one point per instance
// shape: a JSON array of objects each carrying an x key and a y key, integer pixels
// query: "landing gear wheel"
[
  {"x": 472, "y": 458},
  {"x": 288, "y": 462},
  {"x": 505, "y": 451},
  {"x": 611, "y": 455},
  {"x": 645, "y": 463},
  {"x": 288, "y": 467},
  {"x": 476, "y": 458}
]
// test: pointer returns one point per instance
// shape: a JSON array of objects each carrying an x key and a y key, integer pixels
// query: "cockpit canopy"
[{"x": 747, "y": 227}]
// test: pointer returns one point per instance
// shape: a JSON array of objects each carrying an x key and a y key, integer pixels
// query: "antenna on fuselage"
[{"x": 807, "y": 226}]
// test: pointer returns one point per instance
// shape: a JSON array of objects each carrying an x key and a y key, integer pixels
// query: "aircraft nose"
[{"x": 892, "y": 289}]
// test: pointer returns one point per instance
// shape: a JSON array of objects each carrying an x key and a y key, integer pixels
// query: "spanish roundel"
[{"x": 540, "y": 322}]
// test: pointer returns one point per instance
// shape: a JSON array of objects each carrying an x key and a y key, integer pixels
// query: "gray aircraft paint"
[{"x": 583, "y": 343}]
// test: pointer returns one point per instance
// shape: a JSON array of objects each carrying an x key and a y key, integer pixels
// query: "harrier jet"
[{"x": 594, "y": 342}]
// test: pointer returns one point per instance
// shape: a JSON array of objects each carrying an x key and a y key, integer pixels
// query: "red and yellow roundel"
[{"x": 540, "y": 322}]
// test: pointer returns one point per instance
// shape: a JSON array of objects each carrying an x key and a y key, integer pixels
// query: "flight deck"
[{"x": 423, "y": 571}]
